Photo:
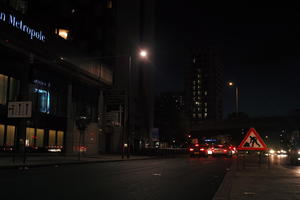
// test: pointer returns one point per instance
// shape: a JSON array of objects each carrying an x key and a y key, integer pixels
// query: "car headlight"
[
  {"x": 298, "y": 152},
  {"x": 283, "y": 151},
  {"x": 272, "y": 151}
]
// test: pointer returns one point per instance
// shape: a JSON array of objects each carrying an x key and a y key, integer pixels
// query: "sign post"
[{"x": 252, "y": 142}]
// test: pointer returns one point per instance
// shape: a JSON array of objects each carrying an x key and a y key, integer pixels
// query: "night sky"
[{"x": 260, "y": 46}]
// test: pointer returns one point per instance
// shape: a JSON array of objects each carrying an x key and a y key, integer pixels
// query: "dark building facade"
[
  {"x": 204, "y": 86},
  {"x": 44, "y": 62},
  {"x": 170, "y": 118},
  {"x": 70, "y": 59}
]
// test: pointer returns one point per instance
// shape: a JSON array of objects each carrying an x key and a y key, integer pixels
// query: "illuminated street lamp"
[
  {"x": 143, "y": 55},
  {"x": 232, "y": 84}
]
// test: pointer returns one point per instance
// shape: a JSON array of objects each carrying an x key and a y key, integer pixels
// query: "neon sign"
[{"x": 18, "y": 24}]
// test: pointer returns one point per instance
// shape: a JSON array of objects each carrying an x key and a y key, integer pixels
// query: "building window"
[
  {"x": 56, "y": 138},
  {"x": 14, "y": 88},
  {"x": 39, "y": 137},
  {"x": 29, "y": 137},
  {"x": 10, "y": 135},
  {"x": 19, "y": 5},
  {"x": 60, "y": 138},
  {"x": 205, "y": 93},
  {"x": 3, "y": 89},
  {"x": 64, "y": 33},
  {"x": 194, "y": 115},
  {"x": 109, "y": 4},
  {"x": 52, "y": 138},
  {"x": 205, "y": 115},
  {"x": 43, "y": 100},
  {"x": 2, "y": 134}
]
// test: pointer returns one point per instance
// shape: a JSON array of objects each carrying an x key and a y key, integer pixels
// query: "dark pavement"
[{"x": 171, "y": 178}]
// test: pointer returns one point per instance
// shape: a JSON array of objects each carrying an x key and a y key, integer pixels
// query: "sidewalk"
[
  {"x": 259, "y": 182},
  {"x": 40, "y": 161}
]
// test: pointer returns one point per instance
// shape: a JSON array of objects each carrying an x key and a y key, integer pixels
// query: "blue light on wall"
[{"x": 43, "y": 100}]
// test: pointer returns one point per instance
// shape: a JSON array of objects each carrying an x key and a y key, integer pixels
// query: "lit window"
[
  {"x": 205, "y": 104},
  {"x": 52, "y": 138},
  {"x": 39, "y": 137},
  {"x": 109, "y": 4},
  {"x": 205, "y": 93},
  {"x": 29, "y": 137},
  {"x": 199, "y": 76},
  {"x": 199, "y": 92},
  {"x": 3, "y": 89},
  {"x": 205, "y": 115},
  {"x": 205, "y": 109},
  {"x": 10, "y": 135},
  {"x": 194, "y": 60},
  {"x": 1, "y": 134},
  {"x": 60, "y": 138},
  {"x": 64, "y": 33}
]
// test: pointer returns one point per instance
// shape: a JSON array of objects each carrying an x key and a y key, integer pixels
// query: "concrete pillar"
[
  {"x": 101, "y": 137},
  {"x": 70, "y": 122}
]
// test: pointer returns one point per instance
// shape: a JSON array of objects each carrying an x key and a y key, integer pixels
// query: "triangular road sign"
[{"x": 252, "y": 141}]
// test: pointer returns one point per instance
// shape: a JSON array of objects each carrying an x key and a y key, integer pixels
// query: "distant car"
[
  {"x": 220, "y": 149},
  {"x": 294, "y": 155},
  {"x": 198, "y": 150}
]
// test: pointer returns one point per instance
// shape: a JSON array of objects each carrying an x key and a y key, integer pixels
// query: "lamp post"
[
  {"x": 143, "y": 55},
  {"x": 232, "y": 84}
]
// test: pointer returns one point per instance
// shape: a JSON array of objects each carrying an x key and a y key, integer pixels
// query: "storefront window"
[
  {"x": 52, "y": 137},
  {"x": 39, "y": 137},
  {"x": 60, "y": 138},
  {"x": 3, "y": 89},
  {"x": 10, "y": 136},
  {"x": 29, "y": 137},
  {"x": 1, "y": 134}
]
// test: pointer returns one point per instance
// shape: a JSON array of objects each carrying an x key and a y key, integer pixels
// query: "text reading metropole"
[{"x": 13, "y": 21}]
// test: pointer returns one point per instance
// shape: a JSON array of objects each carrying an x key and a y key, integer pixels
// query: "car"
[
  {"x": 198, "y": 150},
  {"x": 220, "y": 149},
  {"x": 294, "y": 155}
]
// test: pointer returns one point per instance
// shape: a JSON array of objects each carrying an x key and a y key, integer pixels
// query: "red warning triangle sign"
[{"x": 252, "y": 141}]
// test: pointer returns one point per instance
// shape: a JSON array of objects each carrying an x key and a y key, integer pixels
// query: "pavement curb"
[
  {"x": 28, "y": 165},
  {"x": 224, "y": 190}
]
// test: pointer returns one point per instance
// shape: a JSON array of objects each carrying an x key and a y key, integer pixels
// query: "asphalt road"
[{"x": 154, "y": 179}]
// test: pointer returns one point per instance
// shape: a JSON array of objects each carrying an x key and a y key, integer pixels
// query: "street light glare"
[
  {"x": 231, "y": 83},
  {"x": 143, "y": 53}
]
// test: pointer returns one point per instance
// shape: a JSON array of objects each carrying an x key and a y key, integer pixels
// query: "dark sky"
[{"x": 260, "y": 45}]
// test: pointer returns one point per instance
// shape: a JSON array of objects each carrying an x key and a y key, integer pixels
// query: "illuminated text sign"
[{"x": 19, "y": 24}]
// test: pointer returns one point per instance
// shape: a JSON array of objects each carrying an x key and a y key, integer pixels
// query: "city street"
[{"x": 171, "y": 178}]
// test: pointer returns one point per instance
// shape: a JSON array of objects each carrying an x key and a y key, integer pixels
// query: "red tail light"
[
  {"x": 197, "y": 145},
  {"x": 191, "y": 149},
  {"x": 225, "y": 150}
]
